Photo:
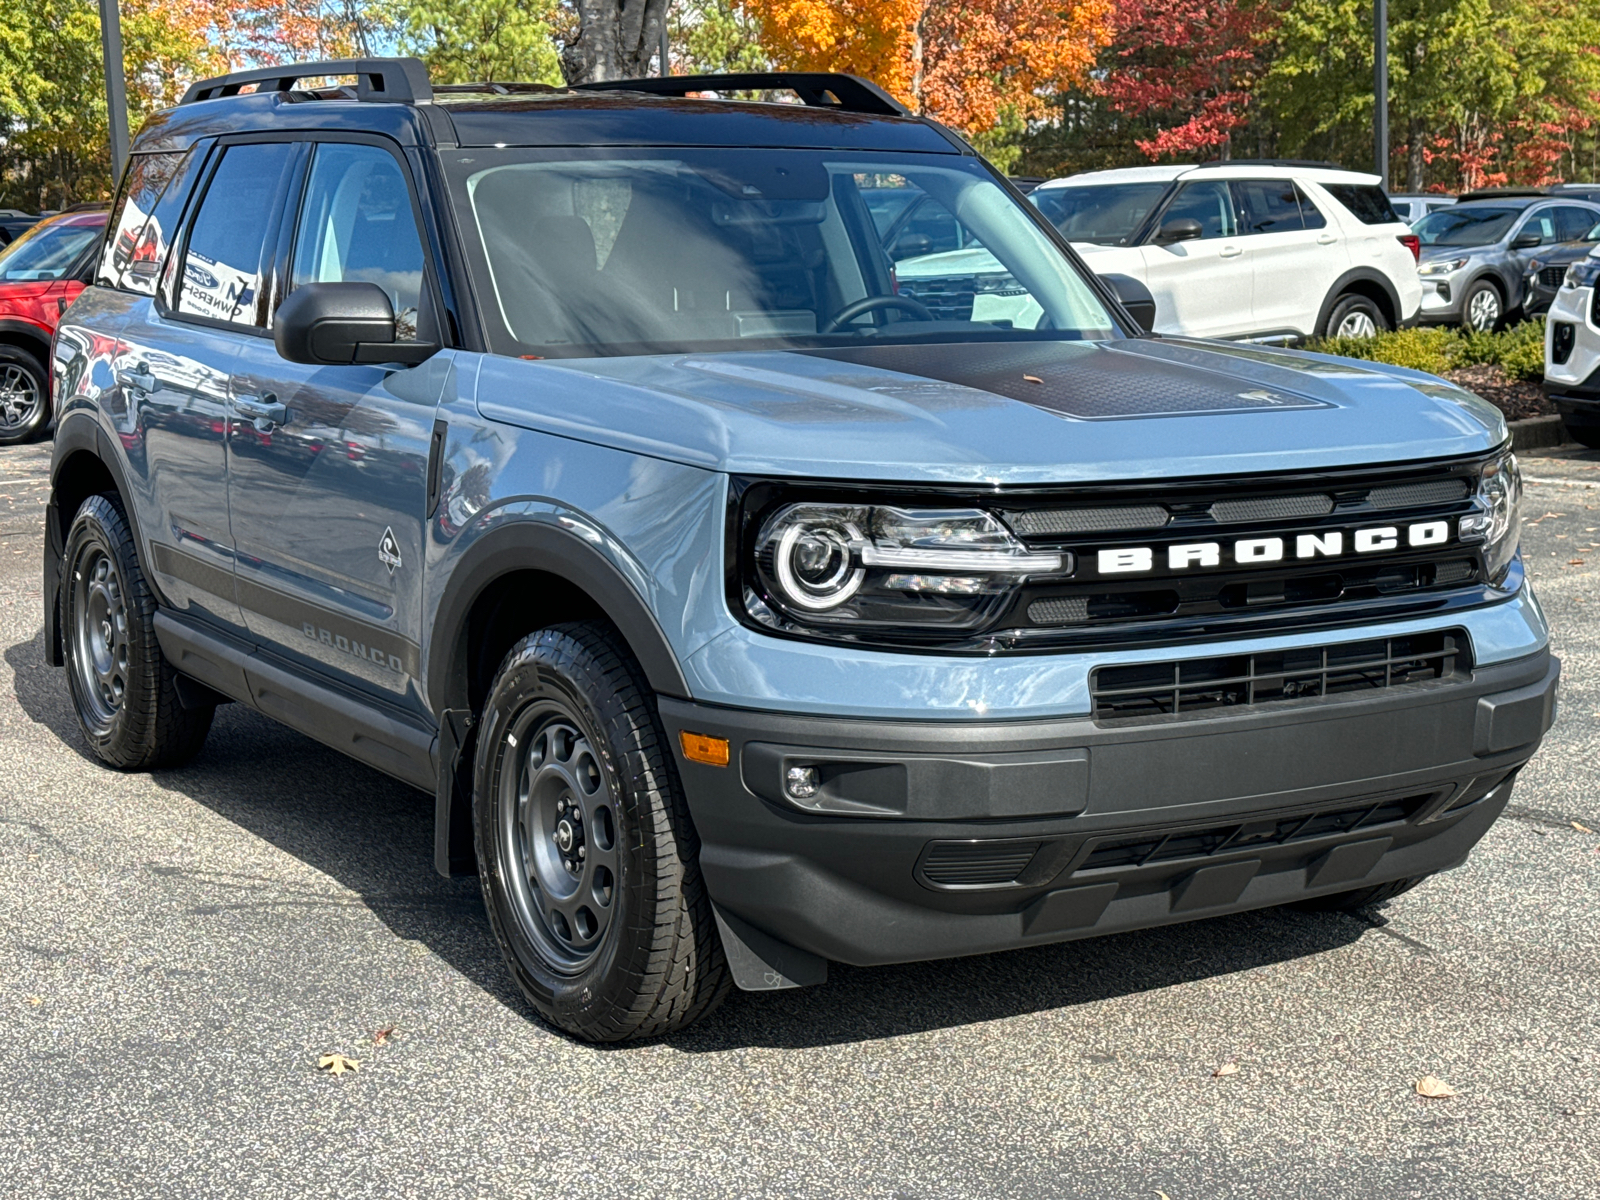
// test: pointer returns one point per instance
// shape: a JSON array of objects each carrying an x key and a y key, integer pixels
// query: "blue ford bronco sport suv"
[{"x": 577, "y": 456}]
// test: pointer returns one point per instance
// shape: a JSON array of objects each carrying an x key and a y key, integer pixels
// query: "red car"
[{"x": 41, "y": 273}]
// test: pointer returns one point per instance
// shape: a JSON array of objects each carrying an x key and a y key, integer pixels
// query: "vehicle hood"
[
  {"x": 997, "y": 412},
  {"x": 976, "y": 261},
  {"x": 1567, "y": 252}
]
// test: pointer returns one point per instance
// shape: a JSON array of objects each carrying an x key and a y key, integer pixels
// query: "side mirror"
[
  {"x": 1526, "y": 240},
  {"x": 1135, "y": 297},
  {"x": 1179, "y": 229},
  {"x": 336, "y": 324},
  {"x": 911, "y": 245}
]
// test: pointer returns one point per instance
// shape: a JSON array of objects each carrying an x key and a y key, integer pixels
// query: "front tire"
[
  {"x": 1482, "y": 309},
  {"x": 586, "y": 853},
  {"x": 1584, "y": 435},
  {"x": 123, "y": 688},
  {"x": 24, "y": 395},
  {"x": 1356, "y": 316}
]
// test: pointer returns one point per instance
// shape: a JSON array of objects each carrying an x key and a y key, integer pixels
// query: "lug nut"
[{"x": 582, "y": 850}]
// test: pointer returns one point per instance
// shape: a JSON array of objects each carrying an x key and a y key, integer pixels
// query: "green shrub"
[{"x": 1518, "y": 351}]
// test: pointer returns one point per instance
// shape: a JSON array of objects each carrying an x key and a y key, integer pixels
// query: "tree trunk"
[
  {"x": 616, "y": 40},
  {"x": 1416, "y": 165}
]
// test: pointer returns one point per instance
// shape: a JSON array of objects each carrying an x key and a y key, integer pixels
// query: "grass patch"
[{"x": 1518, "y": 351}]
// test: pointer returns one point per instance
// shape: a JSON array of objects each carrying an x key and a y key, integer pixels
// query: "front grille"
[
  {"x": 983, "y": 863},
  {"x": 1159, "y": 846},
  {"x": 1551, "y": 277},
  {"x": 948, "y": 299},
  {"x": 1169, "y": 689}
]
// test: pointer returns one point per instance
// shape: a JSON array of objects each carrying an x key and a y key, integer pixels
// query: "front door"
[
  {"x": 328, "y": 465},
  {"x": 1202, "y": 287}
]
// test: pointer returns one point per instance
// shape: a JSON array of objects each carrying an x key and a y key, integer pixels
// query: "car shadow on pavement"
[{"x": 373, "y": 836}]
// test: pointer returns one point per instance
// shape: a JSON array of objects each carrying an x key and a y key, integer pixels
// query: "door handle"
[
  {"x": 139, "y": 379},
  {"x": 263, "y": 411},
  {"x": 1326, "y": 239},
  {"x": 1230, "y": 252}
]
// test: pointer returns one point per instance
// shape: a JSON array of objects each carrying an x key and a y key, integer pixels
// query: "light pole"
[
  {"x": 116, "y": 86},
  {"x": 1380, "y": 88}
]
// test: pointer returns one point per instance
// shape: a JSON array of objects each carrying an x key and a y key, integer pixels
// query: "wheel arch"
[
  {"x": 1363, "y": 281},
  {"x": 27, "y": 336}
]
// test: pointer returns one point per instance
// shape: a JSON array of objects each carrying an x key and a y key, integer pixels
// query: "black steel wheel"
[
  {"x": 123, "y": 688},
  {"x": 586, "y": 853},
  {"x": 24, "y": 395}
]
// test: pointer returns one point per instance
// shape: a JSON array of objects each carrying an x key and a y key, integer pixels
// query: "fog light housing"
[
  {"x": 802, "y": 783},
  {"x": 1561, "y": 340}
]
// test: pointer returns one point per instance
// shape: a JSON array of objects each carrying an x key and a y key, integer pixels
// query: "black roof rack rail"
[
  {"x": 1272, "y": 162},
  {"x": 391, "y": 80},
  {"x": 495, "y": 87},
  {"x": 846, "y": 93}
]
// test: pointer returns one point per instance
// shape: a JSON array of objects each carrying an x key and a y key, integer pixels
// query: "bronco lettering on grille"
[{"x": 1250, "y": 551}]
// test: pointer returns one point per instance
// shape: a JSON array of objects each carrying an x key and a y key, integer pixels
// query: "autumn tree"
[
  {"x": 972, "y": 64},
  {"x": 466, "y": 41}
]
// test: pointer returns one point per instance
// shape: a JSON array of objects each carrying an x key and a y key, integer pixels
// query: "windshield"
[
  {"x": 1108, "y": 214},
  {"x": 633, "y": 251},
  {"x": 1465, "y": 225},
  {"x": 46, "y": 252}
]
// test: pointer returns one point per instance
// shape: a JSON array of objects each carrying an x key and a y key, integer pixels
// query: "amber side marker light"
[{"x": 700, "y": 748}]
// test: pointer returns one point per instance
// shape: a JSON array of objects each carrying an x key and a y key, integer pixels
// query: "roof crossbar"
[
  {"x": 390, "y": 80},
  {"x": 846, "y": 93}
]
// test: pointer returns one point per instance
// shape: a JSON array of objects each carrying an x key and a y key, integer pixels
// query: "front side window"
[
  {"x": 48, "y": 251},
  {"x": 629, "y": 251},
  {"x": 1107, "y": 214},
  {"x": 1466, "y": 225},
  {"x": 1210, "y": 203},
  {"x": 357, "y": 225},
  {"x": 142, "y": 224},
  {"x": 223, "y": 261}
]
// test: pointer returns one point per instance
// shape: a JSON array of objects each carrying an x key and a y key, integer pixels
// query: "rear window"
[{"x": 1367, "y": 202}]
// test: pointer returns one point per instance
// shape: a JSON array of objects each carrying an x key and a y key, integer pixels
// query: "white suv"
[
  {"x": 1572, "y": 350},
  {"x": 1257, "y": 250}
]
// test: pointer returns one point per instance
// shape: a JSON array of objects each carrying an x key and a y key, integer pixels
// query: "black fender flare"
[
  {"x": 1342, "y": 284},
  {"x": 77, "y": 433},
  {"x": 537, "y": 546},
  {"x": 39, "y": 337}
]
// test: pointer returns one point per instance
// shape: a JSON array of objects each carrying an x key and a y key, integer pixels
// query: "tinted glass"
[
  {"x": 1573, "y": 224},
  {"x": 886, "y": 205},
  {"x": 1108, "y": 214},
  {"x": 47, "y": 252},
  {"x": 642, "y": 252},
  {"x": 223, "y": 261},
  {"x": 357, "y": 225},
  {"x": 1310, "y": 215},
  {"x": 1367, "y": 202},
  {"x": 1210, "y": 203},
  {"x": 1267, "y": 206},
  {"x": 133, "y": 254},
  {"x": 1466, "y": 225},
  {"x": 1543, "y": 223}
]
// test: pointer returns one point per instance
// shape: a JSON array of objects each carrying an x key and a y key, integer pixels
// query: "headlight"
[
  {"x": 1497, "y": 523},
  {"x": 1441, "y": 266},
  {"x": 997, "y": 285},
  {"x": 1582, "y": 273},
  {"x": 856, "y": 566}
]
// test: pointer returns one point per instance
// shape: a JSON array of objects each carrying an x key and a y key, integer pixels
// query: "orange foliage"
[{"x": 961, "y": 61}]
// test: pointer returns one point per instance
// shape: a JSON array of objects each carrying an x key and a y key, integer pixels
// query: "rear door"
[
  {"x": 328, "y": 491},
  {"x": 175, "y": 359},
  {"x": 1291, "y": 266},
  {"x": 1202, "y": 287}
]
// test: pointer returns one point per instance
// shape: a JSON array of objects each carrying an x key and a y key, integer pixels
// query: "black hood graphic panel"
[{"x": 1088, "y": 381}]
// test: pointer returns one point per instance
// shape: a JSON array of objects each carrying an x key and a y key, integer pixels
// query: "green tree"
[
  {"x": 714, "y": 36},
  {"x": 468, "y": 41}
]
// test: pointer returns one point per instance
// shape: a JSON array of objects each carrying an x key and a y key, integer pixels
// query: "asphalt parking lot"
[{"x": 178, "y": 949}]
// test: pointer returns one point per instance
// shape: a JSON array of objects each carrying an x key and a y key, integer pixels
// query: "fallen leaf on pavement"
[
  {"x": 1574, "y": 562},
  {"x": 1227, "y": 1068},
  {"x": 35, "y": 1001},
  {"x": 1434, "y": 1088},
  {"x": 338, "y": 1064},
  {"x": 383, "y": 1035},
  {"x": 1581, "y": 828}
]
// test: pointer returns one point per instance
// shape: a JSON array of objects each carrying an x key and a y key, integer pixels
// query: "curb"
[{"x": 1537, "y": 433}]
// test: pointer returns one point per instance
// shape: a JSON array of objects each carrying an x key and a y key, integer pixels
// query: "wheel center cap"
[{"x": 566, "y": 835}]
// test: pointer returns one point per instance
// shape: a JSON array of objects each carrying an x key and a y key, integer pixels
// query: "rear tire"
[
  {"x": 1584, "y": 435},
  {"x": 123, "y": 688},
  {"x": 1361, "y": 898},
  {"x": 24, "y": 395},
  {"x": 1355, "y": 316},
  {"x": 586, "y": 852}
]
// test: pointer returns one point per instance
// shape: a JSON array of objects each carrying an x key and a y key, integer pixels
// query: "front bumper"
[{"x": 971, "y": 837}]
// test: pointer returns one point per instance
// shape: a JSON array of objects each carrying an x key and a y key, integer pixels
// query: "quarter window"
[
  {"x": 1367, "y": 202},
  {"x": 356, "y": 225},
  {"x": 223, "y": 263},
  {"x": 1210, "y": 203}
]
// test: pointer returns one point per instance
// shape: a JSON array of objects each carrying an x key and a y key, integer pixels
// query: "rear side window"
[
  {"x": 1367, "y": 202},
  {"x": 356, "y": 226},
  {"x": 132, "y": 256},
  {"x": 222, "y": 262},
  {"x": 1210, "y": 203},
  {"x": 1310, "y": 214},
  {"x": 1573, "y": 223},
  {"x": 1267, "y": 206}
]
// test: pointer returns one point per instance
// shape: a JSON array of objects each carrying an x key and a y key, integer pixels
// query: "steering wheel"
[{"x": 851, "y": 311}]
